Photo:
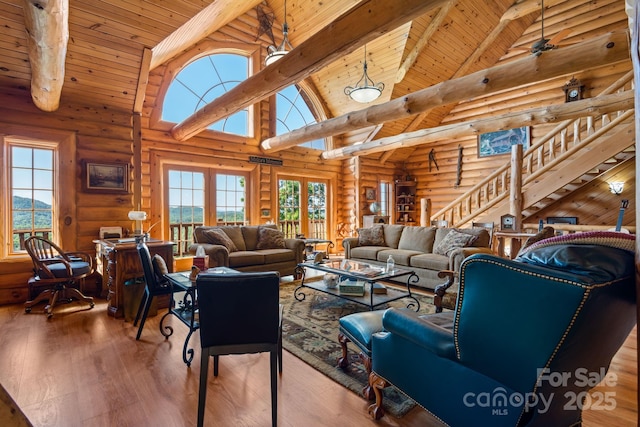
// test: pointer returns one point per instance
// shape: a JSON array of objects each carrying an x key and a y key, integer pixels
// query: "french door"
[{"x": 302, "y": 207}]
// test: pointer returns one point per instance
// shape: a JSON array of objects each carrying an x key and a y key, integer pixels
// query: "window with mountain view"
[
  {"x": 192, "y": 202},
  {"x": 32, "y": 193}
]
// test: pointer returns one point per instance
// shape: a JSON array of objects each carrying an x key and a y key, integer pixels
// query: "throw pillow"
[
  {"x": 372, "y": 236},
  {"x": 452, "y": 241},
  {"x": 269, "y": 238},
  {"x": 417, "y": 239},
  {"x": 159, "y": 267},
  {"x": 219, "y": 237}
]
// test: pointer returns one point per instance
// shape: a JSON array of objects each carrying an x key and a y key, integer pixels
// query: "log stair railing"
[{"x": 565, "y": 144}]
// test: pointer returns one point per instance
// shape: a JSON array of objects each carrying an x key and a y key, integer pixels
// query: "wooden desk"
[
  {"x": 118, "y": 262},
  {"x": 515, "y": 242}
]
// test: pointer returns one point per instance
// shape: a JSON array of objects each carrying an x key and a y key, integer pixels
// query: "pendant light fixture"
[
  {"x": 274, "y": 53},
  {"x": 365, "y": 90}
]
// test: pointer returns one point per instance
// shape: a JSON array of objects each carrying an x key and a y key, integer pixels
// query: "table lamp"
[{"x": 138, "y": 217}]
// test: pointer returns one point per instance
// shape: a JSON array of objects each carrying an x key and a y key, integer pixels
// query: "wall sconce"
[{"x": 616, "y": 187}]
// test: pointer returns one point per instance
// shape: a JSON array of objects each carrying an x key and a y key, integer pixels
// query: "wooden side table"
[{"x": 511, "y": 239}]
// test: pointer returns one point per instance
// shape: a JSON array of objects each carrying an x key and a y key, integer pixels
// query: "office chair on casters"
[
  {"x": 58, "y": 271},
  {"x": 155, "y": 285},
  {"x": 239, "y": 313}
]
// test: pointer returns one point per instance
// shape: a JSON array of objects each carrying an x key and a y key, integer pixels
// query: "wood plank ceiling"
[{"x": 107, "y": 40}]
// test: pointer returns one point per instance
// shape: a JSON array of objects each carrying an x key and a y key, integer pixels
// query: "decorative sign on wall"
[
  {"x": 500, "y": 142},
  {"x": 265, "y": 160}
]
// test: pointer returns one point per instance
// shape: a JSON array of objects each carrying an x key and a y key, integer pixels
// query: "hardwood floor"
[{"x": 83, "y": 368}]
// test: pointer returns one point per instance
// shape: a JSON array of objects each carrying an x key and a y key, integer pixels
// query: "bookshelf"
[{"x": 405, "y": 206}]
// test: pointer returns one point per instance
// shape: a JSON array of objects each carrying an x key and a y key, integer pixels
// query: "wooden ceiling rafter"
[
  {"x": 589, "y": 54},
  {"x": 47, "y": 26},
  {"x": 550, "y": 114},
  {"x": 516, "y": 11},
  {"x": 208, "y": 20},
  {"x": 364, "y": 22},
  {"x": 422, "y": 41}
]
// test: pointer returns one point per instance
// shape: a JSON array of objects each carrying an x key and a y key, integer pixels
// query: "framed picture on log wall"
[
  {"x": 99, "y": 177},
  {"x": 369, "y": 193},
  {"x": 500, "y": 142}
]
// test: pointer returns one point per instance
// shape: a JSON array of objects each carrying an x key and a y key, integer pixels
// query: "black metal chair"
[
  {"x": 57, "y": 271},
  {"x": 155, "y": 285},
  {"x": 239, "y": 313}
]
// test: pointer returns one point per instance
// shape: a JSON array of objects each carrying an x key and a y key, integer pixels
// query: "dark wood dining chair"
[
  {"x": 58, "y": 272},
  {"x": 239, "y": 313},
  {"x": 156, "y": 284}
]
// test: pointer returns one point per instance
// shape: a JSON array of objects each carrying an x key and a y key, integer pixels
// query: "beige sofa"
[
  {"x": 425, "y": 250},
  {"x": 249, "y": 248}
]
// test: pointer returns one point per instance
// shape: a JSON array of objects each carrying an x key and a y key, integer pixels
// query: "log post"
[
  {"x": 425, "y": 212},
  {"x": 515, "y": 186},
  {"x": 47, "y": 25}
]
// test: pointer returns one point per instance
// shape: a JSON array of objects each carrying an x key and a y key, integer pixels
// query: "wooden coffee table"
[{"x": 368, "y": 273}]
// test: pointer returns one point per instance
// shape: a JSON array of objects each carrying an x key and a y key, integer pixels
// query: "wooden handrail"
[{"x": 539, "y": 158}]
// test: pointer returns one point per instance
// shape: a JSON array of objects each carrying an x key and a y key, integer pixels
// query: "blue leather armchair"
[{"x": 527, "y": 336}]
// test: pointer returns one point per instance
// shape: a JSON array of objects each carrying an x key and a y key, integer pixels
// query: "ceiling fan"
[{"x": 545, "y": 44}]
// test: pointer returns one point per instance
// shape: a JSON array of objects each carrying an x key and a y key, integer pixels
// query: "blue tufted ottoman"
[{"x": 358, "y": 328}]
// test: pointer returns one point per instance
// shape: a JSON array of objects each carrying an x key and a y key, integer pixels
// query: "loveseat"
[
  {"x": 249, "y": 248},
  {"x": 425, "y": 250}
]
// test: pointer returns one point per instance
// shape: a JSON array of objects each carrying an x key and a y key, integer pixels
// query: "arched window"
[
  {"x": 202, "y": 81},
  {"x": 293, "y": 112}
]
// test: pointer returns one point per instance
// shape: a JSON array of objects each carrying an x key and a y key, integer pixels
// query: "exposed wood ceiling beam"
[
  {"x": 606, "y": 49},
  {"x": 516, "y": 11},
  {"x": 208, "y": 20},
  {"x": 422, "y": 41},
  {"x": 550, "y": 114},
  {"x": 143, "y": 80},
  {"x": 525, "y": 7},
  {"x": 364, "y": 22},
  {"x": 47, "y": 25}
]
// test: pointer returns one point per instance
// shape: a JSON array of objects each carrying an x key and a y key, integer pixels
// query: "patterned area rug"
[{"x": 310, "y": 332}]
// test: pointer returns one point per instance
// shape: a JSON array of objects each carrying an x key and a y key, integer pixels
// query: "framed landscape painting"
[
  {"x": 500, "y": 142},
  {"x": 106, "y": 177}
]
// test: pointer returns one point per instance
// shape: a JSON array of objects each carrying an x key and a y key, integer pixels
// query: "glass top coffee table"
[{"x": 367, "y": 274}]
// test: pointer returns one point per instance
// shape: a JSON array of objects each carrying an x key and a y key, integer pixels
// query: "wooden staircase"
[{"x": 564, "y": 160}]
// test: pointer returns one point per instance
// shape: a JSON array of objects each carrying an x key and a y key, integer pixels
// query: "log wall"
[
  {"x": 101, "y": 133},
  {"x": 439, "y": 185},
  {"x": 101, "y": 126}
]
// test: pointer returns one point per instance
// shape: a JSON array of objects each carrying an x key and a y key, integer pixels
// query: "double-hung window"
[
  {"x": 31, "y": 192},
  {"x": 200, "y": 195}
]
